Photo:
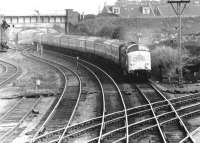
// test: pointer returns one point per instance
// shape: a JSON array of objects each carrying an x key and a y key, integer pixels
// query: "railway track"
[
  {"x": 58, "y": 115},
  {"x": 118, "y": 123},
  {"x": 185, "y": 107},
  {"x": 3, "y": 68},
  {"x": 81, "y": 128},
  {"x": 157, "y": 102},
  {"x": 97, "y": 72},
  {"x": 14, "y": 117},
  {"x": 11, "y": 73},
  {"x": 60, "y": 106},
  {"x": 166, "y": 129}
]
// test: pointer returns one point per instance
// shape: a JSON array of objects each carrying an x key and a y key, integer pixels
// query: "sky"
[{"x": 28, "y": 6}]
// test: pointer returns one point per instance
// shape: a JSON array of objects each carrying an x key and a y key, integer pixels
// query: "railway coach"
[{"x": 134, "y": 59}]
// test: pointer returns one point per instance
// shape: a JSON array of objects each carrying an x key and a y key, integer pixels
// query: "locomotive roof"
[{"x": 137, "y": 47}]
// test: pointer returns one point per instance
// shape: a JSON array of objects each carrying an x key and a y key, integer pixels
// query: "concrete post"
[
  {"x": 41, "y": 50},
  {"x": 67, "y": 20},
  {"x": 37, "y": 47}
]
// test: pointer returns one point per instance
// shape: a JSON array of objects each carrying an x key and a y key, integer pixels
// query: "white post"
[
  {"x": 77, "y": 58},
  {"x": 37, "y": 47},
  {"x": 37, "y": 84}
]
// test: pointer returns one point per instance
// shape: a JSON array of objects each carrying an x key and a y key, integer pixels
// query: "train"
[{"x": 134, "y": 59}]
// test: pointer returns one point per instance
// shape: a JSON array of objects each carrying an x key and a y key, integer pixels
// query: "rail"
[
  {"x": 2, "y": 138},
  {"x": 172, "y": 107},
  {"x": 125, "y": 110},
  {"x": 160, "y": 130},
  {"x": 136, "y": 110},
  {"x": 11, "y": 76},
  {"x": 51, "y": 114},
  {"x": 104, "y": 110},
  {"x": 79, "y": 94},
  {"x": 71, "y": 117}
]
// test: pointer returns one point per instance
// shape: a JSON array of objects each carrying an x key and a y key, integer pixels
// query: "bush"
[
  {"x": 109, "y": 32},
  {"x": 165, "y": 60}
]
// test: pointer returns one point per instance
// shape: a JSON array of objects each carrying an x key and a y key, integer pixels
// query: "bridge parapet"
[{"x": 74, "y": 18}]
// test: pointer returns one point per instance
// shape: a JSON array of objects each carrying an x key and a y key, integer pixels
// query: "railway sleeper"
[
  {"x": 83, "y": 132},
  {"x": 113, "y": 125},
  {"x": 138, "y": 109},
  {"x": 162, "y": 106},
  {"x": 142, "y": 113},
  {"x": 189, "y": 115},
  {"x": 91, "y": 129},
  {"x": 135, "y": 127},
  {"x": 159, "y": 103},
  {"x": 166, "y": 116},
  {"x": 174, "y": 132},
  {"x": 174, "y": 123},
  {"x": 73, "y": 129},
  {"x": 49, "y": 136},
  {"x": 160, "y": 110},
  {"x": 134, "y": 118},
  {"x": 113, "y": 116},
  {"x": 184, "y": 103},
  {"x": 189, "y": 109},
  {"x": 170, "y": 121},
  {"x": 75, "y": 135},
  {"x": 83, "y": 125},
  {"x": 184, "y": 98},
  {"x": 116, "y": 134},
  {"x": 144, "y": 131}
]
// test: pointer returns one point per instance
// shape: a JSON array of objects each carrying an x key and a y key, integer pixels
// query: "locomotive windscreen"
[{"x": 135, "y": 47}]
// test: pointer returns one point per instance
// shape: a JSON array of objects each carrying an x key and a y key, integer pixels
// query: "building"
[{"x": 149, "y": 8}]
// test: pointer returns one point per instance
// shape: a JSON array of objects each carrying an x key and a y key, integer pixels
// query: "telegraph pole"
[{"x": 178, "y": 7}]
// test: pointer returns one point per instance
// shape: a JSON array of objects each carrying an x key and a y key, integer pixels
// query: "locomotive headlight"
[{"x": 146, "y": 65}]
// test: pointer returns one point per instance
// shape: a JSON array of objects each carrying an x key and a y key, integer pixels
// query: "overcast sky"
[{"x": 27, "y": 6}]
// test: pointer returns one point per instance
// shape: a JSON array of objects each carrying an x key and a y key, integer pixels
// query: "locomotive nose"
[{"x": 137, "y": 61}]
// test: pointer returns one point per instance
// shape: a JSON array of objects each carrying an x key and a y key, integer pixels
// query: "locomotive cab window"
[{"x": 136, "y": 47}]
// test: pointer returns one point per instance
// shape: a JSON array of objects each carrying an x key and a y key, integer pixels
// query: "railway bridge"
[{"x": 42, "y": 18}]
